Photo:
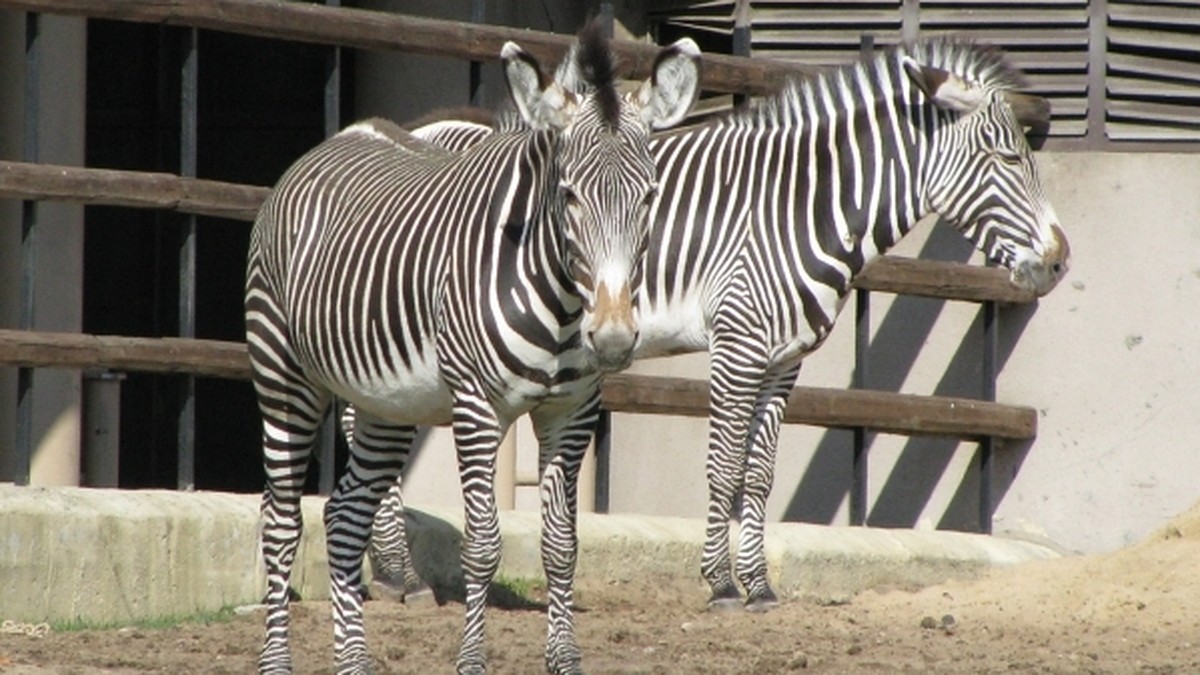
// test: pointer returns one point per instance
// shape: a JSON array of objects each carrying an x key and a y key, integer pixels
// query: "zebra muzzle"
[{"x": 610, "y": 331}]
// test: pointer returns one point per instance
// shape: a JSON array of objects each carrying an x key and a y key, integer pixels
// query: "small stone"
[{"x": 929, "y": 623}]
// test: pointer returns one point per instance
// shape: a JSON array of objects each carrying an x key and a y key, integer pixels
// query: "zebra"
[
  {"x": 425, "y": 287},
  {"x": 764, "y": 217}
]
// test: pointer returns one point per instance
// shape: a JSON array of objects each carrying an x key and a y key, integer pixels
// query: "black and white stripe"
[
  {"x": 764, "y": 218},
  {"x": 425, "y": 287}
]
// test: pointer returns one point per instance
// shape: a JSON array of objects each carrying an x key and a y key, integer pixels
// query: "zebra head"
[
  {"x": 984, "y": 180},
  {"x": 606, "y": 177}
]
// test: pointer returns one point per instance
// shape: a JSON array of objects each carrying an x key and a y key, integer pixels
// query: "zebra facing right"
[{"x": 764, "y": 218}]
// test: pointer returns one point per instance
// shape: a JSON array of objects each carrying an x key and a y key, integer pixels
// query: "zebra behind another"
[
  {"x": 764, "y": 218},
  {"x": 425, "y": 287}
]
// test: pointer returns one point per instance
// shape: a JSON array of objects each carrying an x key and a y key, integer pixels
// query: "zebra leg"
[
  {"x": 292, "y": 412},
  {"x": 563, "y": 437},
  {"x": 477, "y": 435},
  {"x": 756, "y": 486},
  {"x": 391, "y": 560},
  {"x": 376, "y": 456},
  {"x": 737, "y": 372},
  {"x": 394, "y": 573}
]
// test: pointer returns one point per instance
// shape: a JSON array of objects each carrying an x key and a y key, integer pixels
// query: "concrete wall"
[{"x": 1111, "y": 359}]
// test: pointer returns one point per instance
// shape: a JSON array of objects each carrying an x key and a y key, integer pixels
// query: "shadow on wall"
[{"x": 923, "y": 461}]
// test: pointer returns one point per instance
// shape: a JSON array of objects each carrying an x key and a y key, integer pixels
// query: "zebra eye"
[{"x": 1010, "y": 158}]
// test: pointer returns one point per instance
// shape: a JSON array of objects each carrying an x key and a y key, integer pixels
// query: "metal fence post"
[
  {"x": 991, "y": 327},
  {"x": 859, "y": 474},
  {"x": 186, "y": 411},
  {"x": 327, "y": 439}
]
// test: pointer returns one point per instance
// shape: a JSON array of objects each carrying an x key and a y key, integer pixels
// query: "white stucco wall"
[{"x": 1111, "y": 359}]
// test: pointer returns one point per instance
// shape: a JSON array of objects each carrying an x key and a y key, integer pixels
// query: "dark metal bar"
[
  {"x": 991, "y": 329},
  {"x": 333, "y": 85},
  {"x": 1097, "y": 95},
  {"x": 478, "y": 16},
  {"x": 741, "y": 40},
  {"x": 327, "y": 439},
  {"x": 862, "y": 348},
  {"x": 24, "y": 431},
  {"x": 603, "y": 447},
  {"x": 186, "y": 431},
  {"x": 602, "y": 438}
]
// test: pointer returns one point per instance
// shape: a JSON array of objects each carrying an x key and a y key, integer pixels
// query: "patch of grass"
[
  {"x": 223, "y": 615},
  {"x": 517, "y": 593}
]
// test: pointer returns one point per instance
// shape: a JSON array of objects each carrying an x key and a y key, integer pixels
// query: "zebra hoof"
[
  {"x": 764, "y": 602},
  {"x": 421, "y": 596},
  {"x": 382, "y": 589},
  {"x": 725, "y": 600}
]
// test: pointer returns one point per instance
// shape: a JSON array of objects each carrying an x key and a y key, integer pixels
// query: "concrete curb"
[{"x": 122, "y": 555}]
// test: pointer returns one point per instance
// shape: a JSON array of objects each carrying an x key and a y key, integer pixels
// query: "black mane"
[{"x": 595, "y": 63}]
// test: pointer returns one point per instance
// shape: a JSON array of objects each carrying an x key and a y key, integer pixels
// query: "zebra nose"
[{"x": 612, "y": 346}]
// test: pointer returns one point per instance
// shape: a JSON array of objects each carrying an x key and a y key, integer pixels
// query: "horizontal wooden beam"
[
  {"x": 205, "y": 358},
  {"x": 940, "y": 279},
  {"x": 365, "y": 29},
  {"x": 19, "y": 180},
  {"x": 138, "y": 189},
  {"x": 905, "y": 414}
]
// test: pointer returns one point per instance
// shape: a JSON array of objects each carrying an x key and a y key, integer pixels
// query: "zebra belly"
[
  {"x": 418, "y": 395},
  {"x": 672, "y": 328}
]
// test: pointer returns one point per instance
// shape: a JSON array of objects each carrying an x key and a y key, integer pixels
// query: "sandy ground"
[{"x": 1133, "y": 611}]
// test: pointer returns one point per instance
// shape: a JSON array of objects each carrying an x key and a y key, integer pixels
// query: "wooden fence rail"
[
  {"x": 18, "y": 180},
  {"x": 889, "y": 412},
  {"x": 365, "y": 29}
]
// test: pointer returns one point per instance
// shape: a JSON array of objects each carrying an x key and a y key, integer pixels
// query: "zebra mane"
[
  {"x": 801, "y": 99},
  {"x": 589, "y": 65}
]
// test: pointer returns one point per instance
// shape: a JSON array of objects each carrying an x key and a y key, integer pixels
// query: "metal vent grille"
[
  {"x": 1048, "y": 40},
  {"x": 816, "y": 33},
  {"x": 1153, "y": 78}
]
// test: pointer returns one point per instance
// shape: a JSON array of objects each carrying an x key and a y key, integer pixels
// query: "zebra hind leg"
[
  {"x": 737, "y": 371},
  {"x": 376, "y": 456},
  {"x": 395, "y": 575},
  {"x": 292, "y": 411},
  {"x": 759, "y": 474}
]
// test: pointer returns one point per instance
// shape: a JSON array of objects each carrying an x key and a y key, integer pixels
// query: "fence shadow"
[{"x": 923, "y": 461}]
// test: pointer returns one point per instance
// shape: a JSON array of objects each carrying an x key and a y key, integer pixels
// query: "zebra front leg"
[
  {"x": 759, "y": 474},
  {"x": 737, "y": 371},
  {"x": 563, "y": 437},
  {"x": 477, "y": 435},
  {"x": 377, "y": 454}
]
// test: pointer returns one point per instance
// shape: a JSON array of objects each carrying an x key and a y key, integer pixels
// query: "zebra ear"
[
  {"x": 1031, "y": 110},
  {"x": 671, "y": 90},
  {"x": 543, "y": 104},
  {"x": 944, "y": 88}
]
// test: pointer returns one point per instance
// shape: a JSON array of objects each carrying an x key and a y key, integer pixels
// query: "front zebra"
[
  {"x": 430, "y": 288},
  {"x": 764, "y": 218}
]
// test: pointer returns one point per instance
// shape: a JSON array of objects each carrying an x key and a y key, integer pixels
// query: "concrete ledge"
[{"x": 121, "y": 555}]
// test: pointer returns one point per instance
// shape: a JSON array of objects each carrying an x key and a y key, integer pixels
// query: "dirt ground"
[{"x": 1133, "y": 611}]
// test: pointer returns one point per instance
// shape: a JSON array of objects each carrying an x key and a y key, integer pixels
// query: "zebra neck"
[{"x": 530, "y": 280}]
